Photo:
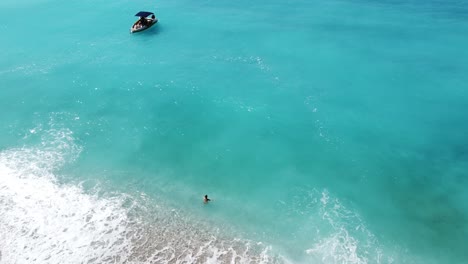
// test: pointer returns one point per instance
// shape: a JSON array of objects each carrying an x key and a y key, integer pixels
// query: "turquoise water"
[{"x": 324, "y": 131}]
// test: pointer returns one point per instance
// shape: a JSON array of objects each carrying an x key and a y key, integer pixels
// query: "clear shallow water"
[{"x": 325, "y": 132}]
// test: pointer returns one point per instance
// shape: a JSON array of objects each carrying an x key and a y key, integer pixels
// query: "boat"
[{"x": 146, "y": 20}]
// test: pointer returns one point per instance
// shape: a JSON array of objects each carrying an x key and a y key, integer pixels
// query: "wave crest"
[{"x": 44, "y": 221}]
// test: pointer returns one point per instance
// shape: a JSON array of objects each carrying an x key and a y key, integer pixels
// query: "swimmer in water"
[{"x": 206, "y": 199}]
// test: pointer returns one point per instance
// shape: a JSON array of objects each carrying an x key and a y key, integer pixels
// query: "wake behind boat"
[{"x": 147, "y": 19}]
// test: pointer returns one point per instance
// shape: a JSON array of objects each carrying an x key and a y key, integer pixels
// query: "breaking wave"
[{"x": 48, "y": 221}]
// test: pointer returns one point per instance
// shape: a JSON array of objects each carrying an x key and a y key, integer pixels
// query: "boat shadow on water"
[{"x": 154, "y": 30}]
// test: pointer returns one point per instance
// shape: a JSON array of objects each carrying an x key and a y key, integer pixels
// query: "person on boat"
[
  {"x": 143, "y": 21},
  {"x": 206, "y": 199},
  {"x": 137, "y": 25}
]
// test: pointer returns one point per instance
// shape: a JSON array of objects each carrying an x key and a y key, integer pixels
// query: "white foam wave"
[
  {"x": 342, "y": 236},
  {"x": 255, "y": 60},
  {"x": 339, "y": 247},
  {"x": 45, "y": 221},
  {"x": 28, "y": 69}
]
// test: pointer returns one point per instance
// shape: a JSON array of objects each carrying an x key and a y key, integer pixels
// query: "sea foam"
[{"x": 45, "y": 220}]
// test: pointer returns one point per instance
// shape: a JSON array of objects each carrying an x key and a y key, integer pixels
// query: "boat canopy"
[{"x": 143, "y": 14}]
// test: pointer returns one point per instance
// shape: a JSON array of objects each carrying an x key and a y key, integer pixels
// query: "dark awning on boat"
[{"x": 143, "y": 14}]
